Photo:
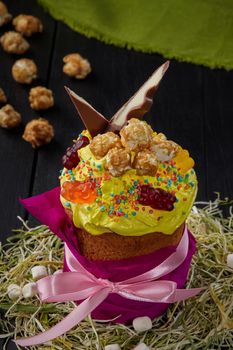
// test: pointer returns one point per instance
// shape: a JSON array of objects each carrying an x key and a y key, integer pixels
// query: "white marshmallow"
[
  {"x": 29, "y": 290},
  {"x": 39, "y": 272},
  {"x": 194, "y": 210},
  {"x": 141, "y": 346},
  {"x": 230, "y": 260},
  {"x": 14, "y": 291},
  {"x": 141, "y": 324},
  {"x": 112, "y": 347},
  {"x": 58, "y": 272}
]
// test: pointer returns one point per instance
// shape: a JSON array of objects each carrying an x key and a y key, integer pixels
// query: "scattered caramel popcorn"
[
  {"x": 38, "y": 132},
  {"x": 102, "y": 143},
  {"x": 3, "y": 98},
  {"x": 164, "y": 149},
  {"x": 41, "y": 98},
  {"x": 76, "y": 66},
  {"x": 13, "y": 42},
  {"x": 146, "y": 163},
  {"x": 117, "y": 161},
  {"x": 27, "y": 25},
  {"x": 24, "y": 71},
  {"x": 137, "y": 135},
  {"x": 5, "y": 16},
  {"x": 9, "y": 118}
]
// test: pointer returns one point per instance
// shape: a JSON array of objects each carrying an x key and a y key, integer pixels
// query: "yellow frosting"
[{"x": 115, "y": 207}]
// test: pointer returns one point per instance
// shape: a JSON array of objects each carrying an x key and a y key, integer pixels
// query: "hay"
[{"x": 202, "y": 322}]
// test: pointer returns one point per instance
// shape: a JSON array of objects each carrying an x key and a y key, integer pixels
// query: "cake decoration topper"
[
  {"x": 140, "y": 102},
  {"x": 135, "y": 107},
  {"x": 94, "y": 121}
]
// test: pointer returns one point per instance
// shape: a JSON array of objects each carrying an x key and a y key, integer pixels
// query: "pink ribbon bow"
[{"x": 79, "y": 284}]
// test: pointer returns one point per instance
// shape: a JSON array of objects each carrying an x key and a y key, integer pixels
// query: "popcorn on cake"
[
  {"x": 146, "y": 163},
  {"x": 137, "y": 135},
  {"x": 13, "y": 42},
  {"x": 117, "y": 161},
  {"x": 164, "y": 149},
  {"x": 137, "y": 144},
  {"x": 102, "y": 143}
]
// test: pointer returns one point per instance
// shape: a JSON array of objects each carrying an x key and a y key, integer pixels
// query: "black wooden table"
[{"x": 194, "y": 106}]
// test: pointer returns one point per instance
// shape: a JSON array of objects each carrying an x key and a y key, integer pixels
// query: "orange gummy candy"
[
  {"x": 183, "y": 161},
  {"x": 79, "y": 192}
]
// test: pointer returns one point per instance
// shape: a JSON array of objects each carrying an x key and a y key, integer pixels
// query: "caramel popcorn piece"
[
  {"x": 117, "y": 161},
  {"x": 9, "y": 118},
  {"x": 160, "y": 137},
  {"x": 27, "y": 25},
  {"x": 164, "y": 149},
  {"x": 146, "y": 163},
  {"x": 76, "y": 66},
  {"x": 5, "y": 16},
  {"x": 137, "y": 135},
  {"x": 38, "y": 132},
  {"x": 3, "y": 98},
  {"x": 13, "y": 42},
  {"x": 24, "y": 71},
  {"x": 41, "y": 98},
  {"x": 101, "y": 144}
]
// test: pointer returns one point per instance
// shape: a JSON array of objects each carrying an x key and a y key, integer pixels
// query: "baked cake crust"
[{"x": 111, "y": 246}]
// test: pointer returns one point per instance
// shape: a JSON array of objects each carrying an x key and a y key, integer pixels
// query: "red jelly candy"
[
  {"x": 157, "y": 198},
  {"x": 71, "y": 159}
]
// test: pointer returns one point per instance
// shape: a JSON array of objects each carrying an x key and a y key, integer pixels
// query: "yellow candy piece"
[{"x": 183, "y": 161}]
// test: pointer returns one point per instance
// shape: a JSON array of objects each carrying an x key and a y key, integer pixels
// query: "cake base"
[{"x": 111, "y": 246}]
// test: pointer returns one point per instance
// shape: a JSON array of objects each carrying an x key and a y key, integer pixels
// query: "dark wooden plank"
[
  {"x": 218, "y": 111},
  {"x": 17, "y": 157}
]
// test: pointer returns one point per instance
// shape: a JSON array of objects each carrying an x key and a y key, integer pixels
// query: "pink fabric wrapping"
[{"x": 48, "y": 210}]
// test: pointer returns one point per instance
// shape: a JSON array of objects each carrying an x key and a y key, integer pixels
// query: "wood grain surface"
[{"x": 194, "y": 106}]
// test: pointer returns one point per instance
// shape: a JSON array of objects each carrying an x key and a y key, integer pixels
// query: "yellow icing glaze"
[{"x": 115, "y": 209}]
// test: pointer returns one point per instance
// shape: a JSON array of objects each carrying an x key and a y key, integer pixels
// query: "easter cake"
[{"x": 127, "y": 188}]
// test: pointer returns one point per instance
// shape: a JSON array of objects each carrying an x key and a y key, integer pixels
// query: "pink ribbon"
[{"x": 80, "y": 284}]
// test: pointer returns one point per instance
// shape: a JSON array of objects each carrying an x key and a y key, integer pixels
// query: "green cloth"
[{"x": 197, "y": 31}]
